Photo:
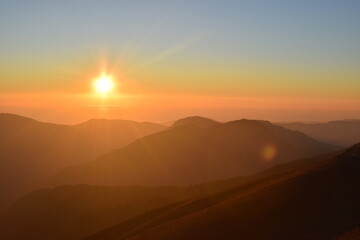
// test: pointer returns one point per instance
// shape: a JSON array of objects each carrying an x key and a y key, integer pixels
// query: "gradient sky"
[{"x": 278, "y": 60}]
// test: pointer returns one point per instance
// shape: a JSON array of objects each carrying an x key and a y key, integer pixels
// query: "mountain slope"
[
  {"x": 189, "y": 155},
  {"x": 31, "y": 151},
  {"x": 314, "y": 198},
  {"x": 81, "y": 210},
  {"x": 342, "y": 133}
]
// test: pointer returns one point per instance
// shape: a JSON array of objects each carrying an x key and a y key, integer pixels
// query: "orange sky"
[
  {"x": 281, "y": 61},
  {"x": 72, "y": 108}
]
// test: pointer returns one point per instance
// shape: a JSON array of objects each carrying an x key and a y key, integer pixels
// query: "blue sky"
[{"x": 282, "y": 29}]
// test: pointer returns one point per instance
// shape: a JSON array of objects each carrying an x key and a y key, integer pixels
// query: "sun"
[{"x": 104, "y": 84}]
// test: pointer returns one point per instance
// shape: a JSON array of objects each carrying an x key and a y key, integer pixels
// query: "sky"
[{"x": 277, "y": 60}]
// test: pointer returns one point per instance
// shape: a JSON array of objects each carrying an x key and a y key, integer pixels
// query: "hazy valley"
[{"x": 196, "y": 179}]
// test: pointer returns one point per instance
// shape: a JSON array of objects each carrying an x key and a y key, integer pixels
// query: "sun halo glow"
[{"x": 104, "y": 84}]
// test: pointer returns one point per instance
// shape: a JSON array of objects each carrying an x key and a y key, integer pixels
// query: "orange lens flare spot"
[{"x": 268, "y": 152}]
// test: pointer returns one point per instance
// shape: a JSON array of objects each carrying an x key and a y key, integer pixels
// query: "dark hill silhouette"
[
  {"x": 342, "y": 133},
  {"x": 74, "y": 212},
  {"x": 31, "y": 151},
  {"x": 352, "y": 235},
  {"x": 189, "y": 155},
  {"x": 314, "y": 199},
  {"x": 195, "y": 120}
]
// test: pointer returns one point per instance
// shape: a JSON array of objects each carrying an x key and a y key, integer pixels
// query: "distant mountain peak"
[
  {"x": 102, "y": 121},
  {"x": 195, "y": 120},
  {"x": 343, "y": 133},
  {"x": 245, "y": 121},
  {"x": 346, "y": 120}
]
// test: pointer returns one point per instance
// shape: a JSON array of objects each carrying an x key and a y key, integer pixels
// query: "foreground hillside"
[
  {"x": 315, "y": 199},
  {"x": 189, "y": 154},
  {"x": 342, "y": 133},
  {"x": 73, "y": 212},
  {"x": 31, "y": 151}
]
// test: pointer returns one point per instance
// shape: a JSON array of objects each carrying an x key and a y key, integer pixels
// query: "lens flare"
[{"x": 268, "y": 152}]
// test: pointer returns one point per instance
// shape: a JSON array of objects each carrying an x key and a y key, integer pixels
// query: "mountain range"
[
  {"x": 189, "y": 154},
  {"x": 74, "y": 211},
  {"x": 316, "y": 198},
  {"x": 311, "y": 198},
  {"x": 31, "y": 151},
  {"x": 342, "y": 132},
  {"x": 197, "y": 179}
]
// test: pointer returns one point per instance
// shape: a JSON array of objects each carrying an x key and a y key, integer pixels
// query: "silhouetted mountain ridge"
[
  {"x": 189, "y": 154},
  {"x": 195, "y": 120},
  {"x": 313, "y": 199},
  {"x": 31, "y": 151},
  {"x": 341, "y": 132}
]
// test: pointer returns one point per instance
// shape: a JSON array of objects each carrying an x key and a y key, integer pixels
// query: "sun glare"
[{"x": 104, "y": 84}]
